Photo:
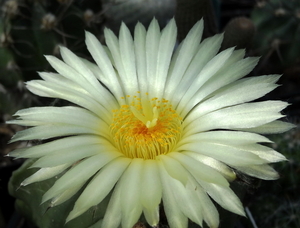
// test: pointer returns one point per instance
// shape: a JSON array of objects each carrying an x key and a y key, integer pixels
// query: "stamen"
[{"x": 145, "y": 130}]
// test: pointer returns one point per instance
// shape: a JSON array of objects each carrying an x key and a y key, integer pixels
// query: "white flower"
[{"x": 152, "y": 126}]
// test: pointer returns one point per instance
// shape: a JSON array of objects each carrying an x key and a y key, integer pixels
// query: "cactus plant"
[
  {"x": 278, "y": 30},
  {"x": 31, "y": 29}
]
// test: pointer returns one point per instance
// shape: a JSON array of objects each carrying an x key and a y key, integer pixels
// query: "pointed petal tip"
[
  {"x": 239, "y": 210},
  {"x": 88, "y": 34},
  {"x": 73, "y": 214},
  {"x": 90, "y": 37},
  {"x": 13, "y": 155},
  {"x": 12, "y": 140},
  {"x": 123, "y": 29},
  {"x": 275, "y": 177},
  {"x": 108, "y": 33},
  {"x": 23, "y": 183},
  {"x": 123, "y": 25},
  {"x": 10, "y": 121},
  {"x": 48, "y": 57},
  {"x": 154, "y": 19},
  {"x": 200, "y": 23},
  {"x": 242, "y": 213},
  {"x": 220, "y": 35},
  {"x": 44, "y": 199},
  {"x": 69, "y": 218},
  {"x": 18, "y": 187},
  {"x": 63, "y": 48},
  {"x": 172, "y": 21},
  {"x": 154, "y": 22},
  {"x": 291, "y": 126}
]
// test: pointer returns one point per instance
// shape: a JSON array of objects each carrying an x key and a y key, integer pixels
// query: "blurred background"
[{"x": 30, "y": 29}]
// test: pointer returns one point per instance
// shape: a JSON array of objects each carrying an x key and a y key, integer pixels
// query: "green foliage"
[
  {"x": 31, "y": 29},
  {"x": 278, "y": 30}
]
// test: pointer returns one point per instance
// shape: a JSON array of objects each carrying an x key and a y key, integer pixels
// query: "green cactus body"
[
  {"x": 278, "y": 29},
  {"x": 31, "y": 29}
]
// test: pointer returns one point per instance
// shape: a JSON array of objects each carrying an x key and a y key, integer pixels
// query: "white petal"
[
  {"x": 69, "y": 155},
  {"x": 231, "y": 155},
  {"x": 128, "y": 59},
  {"x": 224, "y": 196},
  {"x": 80, "y": 173},
  {"x": 44, "y": 174},
  {"x": 199, "y": 170},
  {"x": 242, "y": 141},
  {"x": 223, "y": 169},
  {"x": 264, "y": 172},
  {"x": 99, "y": 187},
  {"x": 62, "y": 81},
  {"x": 151, "y": 190},
  {"x": 152, "y": 216},
  {"x": 241, "y": 91},
  {"x": 229, "y": 73},
  {"x": 234, "y": 137},
  {"x": 225, "y": 75},
  {"x": 210, "y": 47},
  {"x": 95, "y": 70},
  {"x": 49, "y": 89},
  {"x": 109, "y": 100},
  {"x": 186, "y": 199},
  {"x": 130, "y": 193},
  {"x": 209, "y": 211},
  {"x": 50, "y": 131},
  {"x": 206, "y": 73},
  {"x": 66, "y": 195},
  {"x": 273, "y": 127},
  {"x": 114, "y": 48},
  {"x": 174, "y": 168},
  {"x": 263, "y": 81},
  {"x": 264, "y": 152},
  {"x": 87, "y": 77},
  {"x": 86, "y": 74},
  {"x": 58, "y": 145},
  {"x": 173, "y": 62},
  {"x": 65, "y": 115},
  {"x": 113, "y": 213},
  {"x": 165, "y": 51},
  {"x": 176, "y": 219},
  {"x": 78, "y": 72},
  {"x": 104, "y": 63},
  {"x": 140, "y": 53},
  {"x": 68, "y": 72},
  {"x": 236, "y": 56},
  {"x": 152, "y": 45},
  {"x": 240, "y": 116},
  {"x": 185, "y": 55}
]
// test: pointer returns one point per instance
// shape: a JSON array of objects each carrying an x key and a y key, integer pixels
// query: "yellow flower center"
[{"x": 145, "y": 128}]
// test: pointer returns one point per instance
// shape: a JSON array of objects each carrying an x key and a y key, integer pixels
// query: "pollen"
[{"x": 145, "y": 127}]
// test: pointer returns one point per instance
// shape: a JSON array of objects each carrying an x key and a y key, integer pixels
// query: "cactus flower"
[{"x": 152, "y": 126}]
